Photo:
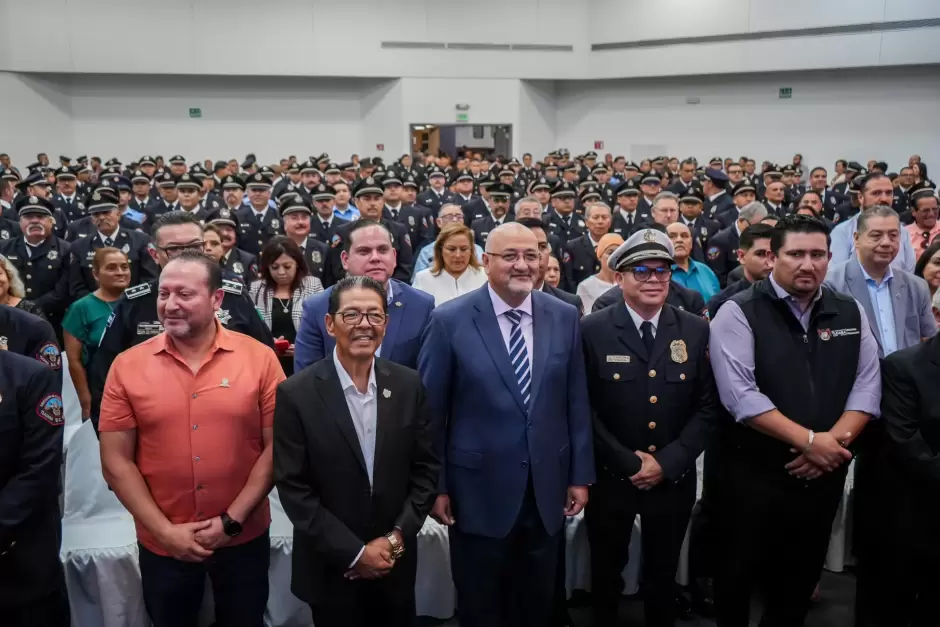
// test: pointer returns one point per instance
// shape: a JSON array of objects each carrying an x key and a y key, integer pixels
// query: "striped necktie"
[{"x": 518, "y": 354}]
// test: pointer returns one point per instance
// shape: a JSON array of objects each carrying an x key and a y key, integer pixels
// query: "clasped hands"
[
  {"x": 376, "y": 560},
  {"x": 825, "y": 454},
  {"x": 195, "y": 541},
  {"x": 651, "y": 473}
]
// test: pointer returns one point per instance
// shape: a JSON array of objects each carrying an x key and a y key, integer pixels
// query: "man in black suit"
[
  {"x": 912, "y": 469},
  {"x": 722, "y": 251},
  {"x": 355, "y": 470},
  {"x": 628, "y": 216}
]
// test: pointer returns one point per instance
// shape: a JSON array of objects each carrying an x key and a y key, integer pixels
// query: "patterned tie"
[{"x": 518, "y": 354}]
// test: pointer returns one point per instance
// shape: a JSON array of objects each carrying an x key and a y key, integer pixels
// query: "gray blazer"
[
  {"x": 262, "y": 298},
  {"x": 913, "y": 318}
]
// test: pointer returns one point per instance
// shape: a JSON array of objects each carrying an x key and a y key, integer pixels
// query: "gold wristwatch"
[{"x": 398, "y": 549}]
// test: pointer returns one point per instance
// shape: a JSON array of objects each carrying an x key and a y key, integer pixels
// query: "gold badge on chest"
[{"x": 678, "y": 352}]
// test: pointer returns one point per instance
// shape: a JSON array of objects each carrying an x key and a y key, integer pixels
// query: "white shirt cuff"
[{"x": 358, "y": 555}]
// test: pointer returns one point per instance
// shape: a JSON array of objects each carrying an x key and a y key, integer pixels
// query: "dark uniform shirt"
[
  {"x": 323, "y": 233},
  {"x": 254, "y": 232},
  {"x": 134, "y": 244},
  {"x": 432, "y": 201},
  {"x": 241, "y": 264},
  {"x": 84, "y": 227},
  {"x": 315, "y": 256},
  {"x": 31, "y": 426},
  {"x": 72, "y": 208},
  {"x": 415, "y": 219},
  {"x": 25, "y": 334},
  {"x": 581, "y": 259},
  {"x": 482, "y": 227},
  {"x": 134, "y": 320},
  {"x": 721, "y": 255},
  {"x": 44, "y": 271},
  {"x": 664, "y": 402},
  {"x": 564, "y": 229}
]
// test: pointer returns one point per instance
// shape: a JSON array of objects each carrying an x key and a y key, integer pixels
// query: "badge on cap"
[
  {"x": 678, "y": 352},
  {"x": 649, "y": 236}
]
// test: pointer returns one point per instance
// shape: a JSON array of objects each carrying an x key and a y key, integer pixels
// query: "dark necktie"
[
  {"x": 630, "y": 219},
  {"x": 646, "y": 332},
  {"x": 108, "y": 242},
  {"x": 394, "y": 213},
  {"x": 326, "y": 225}
]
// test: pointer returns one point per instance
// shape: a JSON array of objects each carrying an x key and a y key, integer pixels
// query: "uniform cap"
[
  {"x": 165, "y": 179},
  {"x": 922, "y": 189},
  {"x": 187, "y": 180},
  {"x": 35, "y": 205},
  {"x": 222, "y": 215},
  {"x": 744, "y": 185},
  {"x": 258, "y": 179},
  {"x": 323, "y": 192},
  {"x": 177, "y": 160},
  {"x": 233, "y": 182},
  {"x": 368, "y": 185},
  {"x": 293, "y": 203},
  {"x": 104, "y": 198},
  {"x": 563, "y": 189},
  {"x": 140, "y": 177},
  {"x": 147, "y": 160},
  {"x": 693, "y": 194},
  {"x": 643, "y": 245},
  {"x": 540, "y": 183},
  {"x": 630, "y": 187},
  {"x": 500, "y": 190},
  {"x": 716, "y": 176},
  {"x": 65, "y": 172}
]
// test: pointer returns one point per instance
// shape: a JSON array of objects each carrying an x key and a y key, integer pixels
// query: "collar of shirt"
[
  {"x": 591, "y": 239},
  {"x": 393, "y": 208},
  {"x": 638, "y": 319},
  {"x": 785, "y": 295},
  {"x": 500, "y": 306},
  {"x": 223, "y": 341},
  {"x": 714, "y": 196},
  {"x": 389, "y": 291},
  {"x": 736, "y": 226},
  {"x": 870, "y": 280},
  {"x": 5, "y": 204},
  {"x": 693, "y": 267},
  {"x": 346, "y": 381},
  {"x": 68, "y": 199},
  {"x": 113, "y": 237},
  {"x": 140, "y": 201},
  {"x": 259, "y": 214}
]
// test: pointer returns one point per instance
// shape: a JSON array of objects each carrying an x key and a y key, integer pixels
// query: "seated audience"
[
  {"x": 596, "y": 284},
  {"x": 12, "y": 290}
]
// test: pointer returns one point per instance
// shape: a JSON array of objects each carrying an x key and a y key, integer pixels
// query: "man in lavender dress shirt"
[{"x": 797, "y": 370}]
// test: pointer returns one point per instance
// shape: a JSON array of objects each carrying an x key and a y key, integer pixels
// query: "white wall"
[
  {"x": 126, "y": 116},
  {"x": 536, "y": 130},
  {"x": 36, "y": 117},
  {"x": 881, "y": 114}
]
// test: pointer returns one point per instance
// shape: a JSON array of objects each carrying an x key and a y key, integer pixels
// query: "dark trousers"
[
  {"x": 173, "y": 589},
  {"x": 776, "y": 531},
  {"x": 611, "y": 510},
  {"x": 374, "y": 603},
  {"x": 51, "y": 610},
  {"x": 506, "y": 582}
]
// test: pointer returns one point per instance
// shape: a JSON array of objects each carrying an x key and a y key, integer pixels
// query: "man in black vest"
[
  {"x": 655, "y": 405},
  {"x": 798, "y": 394}
]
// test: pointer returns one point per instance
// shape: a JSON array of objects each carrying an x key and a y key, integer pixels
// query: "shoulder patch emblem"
[
  {"x": 50, "y": 410},
  {"x": 713, "y": 253},
  {"x": 49, "y": 355},
  {"x": 232, "y": 287},
  {"x": 137, "y": 291},
  {"x": 335, "y": 241}
]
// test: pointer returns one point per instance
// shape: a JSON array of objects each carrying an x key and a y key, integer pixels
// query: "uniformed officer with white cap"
[{"x": 655, "y": 404}]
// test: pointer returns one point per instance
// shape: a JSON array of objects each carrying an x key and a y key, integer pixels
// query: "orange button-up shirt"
[
  {"x": 198, "y": 435},
  {"x": 921, "y": 239}
]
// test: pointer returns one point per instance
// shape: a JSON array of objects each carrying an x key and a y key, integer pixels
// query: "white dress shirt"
[
  {"x": 638, "y": 320},
  {"x": 500, "y": 307},
  {"x": 114, "y": 237},
  {"x": 444, "y": 287},
  {"x": 363, "y": 409}
]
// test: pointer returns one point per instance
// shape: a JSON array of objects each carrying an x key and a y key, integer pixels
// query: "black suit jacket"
[
  {"x": 910, "y": 413},
  {"x": 571, "y": 299},
  {"x": 321, "y": 476}
]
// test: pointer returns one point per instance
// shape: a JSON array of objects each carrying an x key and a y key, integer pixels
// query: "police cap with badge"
[
  {"x": 222, "y": 215},
  {"x": 368, "y": 185},
  {"x": 744, "y": 185},
  {"x": 463, "y": 175},
  {"x": 630, "y": 187},
  {"x": 36, "y": 178},
  {"x": 35, "y": 205},
  {"x": 103, "y": 199},
  {"x": 540, "y": 184},
  {"x": 64, "y": 173},
  {"x": 716, "y": 176},
  {"x": 233, "y": 182},
  {"x": 500, "y": 190},
  {"x": 692, "y": 194},
  {"x": 563, "y": 189},
  {"x": 322, "y": 192},
  {"x": 188, "y": 181},
  {"x": 258, "y": 180},
  {"x": 643, "y": 245},
  {"x": 922, "y": 189}
]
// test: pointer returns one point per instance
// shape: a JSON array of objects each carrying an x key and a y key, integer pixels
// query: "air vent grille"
[{"x": 848, "y": 29}]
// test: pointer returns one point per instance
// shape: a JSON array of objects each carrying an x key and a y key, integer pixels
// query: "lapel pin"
[
  {"x": 224, "y": 383},
  {"x": 387, "y": 393},
  {"x": 398, "y": 303}
]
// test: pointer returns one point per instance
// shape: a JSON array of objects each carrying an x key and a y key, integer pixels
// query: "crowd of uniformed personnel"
[{"x": 54, "y": 219}]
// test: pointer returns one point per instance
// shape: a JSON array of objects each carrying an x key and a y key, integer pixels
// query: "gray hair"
[
  {"x": 661, "y": 196},
  {"x": 877, "y": 211},
  {"x": 448, "y": 206},
  {"x": 753, "y": 212},
  {"x": 13, "y": 277},
  {"x": 525, "y": 200},
  {"x": 596, "y": 203}
]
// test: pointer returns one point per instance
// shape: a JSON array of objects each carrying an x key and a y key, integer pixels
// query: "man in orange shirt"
[{"x": 186, "y": 444}]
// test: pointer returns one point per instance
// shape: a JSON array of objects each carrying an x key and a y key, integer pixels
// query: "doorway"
[{"x": 489, "y": 140}]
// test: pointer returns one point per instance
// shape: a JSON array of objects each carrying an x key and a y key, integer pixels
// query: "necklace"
[{"x": 284, "y": 303}]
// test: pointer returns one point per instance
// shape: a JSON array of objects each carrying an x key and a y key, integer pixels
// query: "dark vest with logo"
[{"x": 808, "y": 375}]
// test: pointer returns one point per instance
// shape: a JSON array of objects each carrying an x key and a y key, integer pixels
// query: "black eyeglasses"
[
  {"x": 374, "y": 318},
  {"x": 173, "y": 251},
  {"x": 512, "y": 256},
  {"x": 644, "y": 273}
]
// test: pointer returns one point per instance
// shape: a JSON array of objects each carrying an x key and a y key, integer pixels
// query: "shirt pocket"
[{"x": 617, "y": 372}]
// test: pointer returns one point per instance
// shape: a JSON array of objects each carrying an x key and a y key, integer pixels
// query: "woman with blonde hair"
[
  {"x": 12, "y": 290},
  {"x": 87, "y": 318},
  {"x": 455, "y": 270}
]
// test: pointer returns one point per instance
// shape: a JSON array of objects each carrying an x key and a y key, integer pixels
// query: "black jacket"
[
  {"x": 321, "y": 477},
  {"x": 133, "y": 243}
]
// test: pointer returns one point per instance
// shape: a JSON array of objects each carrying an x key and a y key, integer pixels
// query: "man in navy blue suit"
[
  {"x": 368, "y": 251},
  {"x": 504, "y": 371}
]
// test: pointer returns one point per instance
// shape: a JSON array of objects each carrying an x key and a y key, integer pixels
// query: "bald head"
[{"x": 511, "y": 262}]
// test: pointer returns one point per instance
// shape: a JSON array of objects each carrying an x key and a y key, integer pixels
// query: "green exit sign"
[
  {"x": 786, "y": 92},
  {"x": 463, "y": 117},
  {"x": 195, "y": 112}
]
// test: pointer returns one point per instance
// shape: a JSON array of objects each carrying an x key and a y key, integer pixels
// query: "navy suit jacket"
[
  {"x": 488, "y": 441},
  {"x": 407, "y": 317}
]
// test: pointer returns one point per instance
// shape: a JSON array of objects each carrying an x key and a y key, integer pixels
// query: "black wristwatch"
[{"x": 231, "y": 527}]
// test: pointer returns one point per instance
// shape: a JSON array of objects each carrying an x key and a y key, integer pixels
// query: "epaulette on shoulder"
[
  {"x": 137, "y": 291},
  {"x": 232, "y": 287}
]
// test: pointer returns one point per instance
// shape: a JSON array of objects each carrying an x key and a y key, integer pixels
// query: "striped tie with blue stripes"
[{"x": 518, "y": 355}]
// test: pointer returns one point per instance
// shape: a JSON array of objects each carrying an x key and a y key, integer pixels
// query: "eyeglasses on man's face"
[
  {"x": 174, "y": 250},
  {"x": 645, "y": 273},
  {"x": 354, "y": 316},
  {"x": 512, "y": 256}
]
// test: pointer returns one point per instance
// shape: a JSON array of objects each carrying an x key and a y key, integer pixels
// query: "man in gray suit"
[{"x": 897, "y": 305}]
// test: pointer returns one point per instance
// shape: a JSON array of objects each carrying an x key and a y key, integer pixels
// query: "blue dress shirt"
[
  {"x": 699, "y": 277},
  {"x": 880, "y": 296}
]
